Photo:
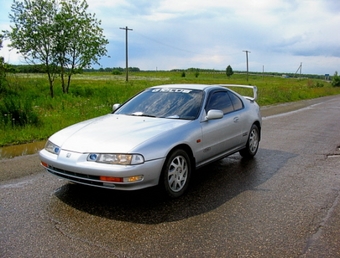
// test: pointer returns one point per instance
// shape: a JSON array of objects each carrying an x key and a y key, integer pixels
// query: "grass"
[{"x": 93, "y": 94}]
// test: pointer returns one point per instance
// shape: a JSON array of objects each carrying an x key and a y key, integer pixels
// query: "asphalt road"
[{"x": 283, "y": 203}]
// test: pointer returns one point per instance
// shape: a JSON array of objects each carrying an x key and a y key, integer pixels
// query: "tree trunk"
[
  {"x": 63, "y": 83},
  {"x": 62, "y": 77},
  {"x": 68, "y": 81},
  {"x": 51, "y": 82},
  {"x": 51, "y": 89}
]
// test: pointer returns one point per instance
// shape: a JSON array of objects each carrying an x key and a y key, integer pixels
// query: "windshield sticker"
[{"x": 172, "y": 90}]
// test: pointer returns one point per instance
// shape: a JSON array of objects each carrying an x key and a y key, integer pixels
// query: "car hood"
[{"x": 113, "y": 133}]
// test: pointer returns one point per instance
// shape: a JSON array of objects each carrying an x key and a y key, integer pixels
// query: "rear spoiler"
[{"x": 254, "y": 98}]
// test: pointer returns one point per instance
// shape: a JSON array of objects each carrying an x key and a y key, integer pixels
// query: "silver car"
[{"x": 158, "y": 137}]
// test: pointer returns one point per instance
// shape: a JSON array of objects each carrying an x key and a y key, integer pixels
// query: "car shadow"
[{"x": 210, "y": 187}]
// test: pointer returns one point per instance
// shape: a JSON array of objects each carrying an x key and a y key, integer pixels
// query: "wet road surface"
[{"x": 283, "y": 203}]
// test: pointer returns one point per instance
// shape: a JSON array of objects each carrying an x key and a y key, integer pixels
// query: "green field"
[{"x": 37, "y": 115}]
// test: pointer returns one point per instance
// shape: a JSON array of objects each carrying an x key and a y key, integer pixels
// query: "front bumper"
[{"x": 74, "y": 167}]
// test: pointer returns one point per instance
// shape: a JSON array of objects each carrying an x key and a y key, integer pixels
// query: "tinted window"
[
  {"x": 235, "y": 100},
  {"x": 167, "y": 103},
  {"x": 220, "y": 100}
]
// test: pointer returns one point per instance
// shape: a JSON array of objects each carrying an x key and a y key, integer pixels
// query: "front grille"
[
  {"x": 73, "y": 174},
  {"x": 79, "y": 178}
]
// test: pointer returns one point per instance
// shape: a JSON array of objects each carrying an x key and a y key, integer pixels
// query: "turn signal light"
[
  {"x": 111, "y": 179},
  {"x": 130, "y": 179}
]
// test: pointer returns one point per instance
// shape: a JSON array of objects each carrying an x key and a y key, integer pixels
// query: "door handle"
[{"x": 236, "y": 119}]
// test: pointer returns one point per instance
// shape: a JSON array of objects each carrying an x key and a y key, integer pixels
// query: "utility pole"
[
  {"x": 300, "y": 68},
  {"x": 247, "y": 61},
  {"x": 262, "y": 71},
  {"x": 126, "y": 51}
]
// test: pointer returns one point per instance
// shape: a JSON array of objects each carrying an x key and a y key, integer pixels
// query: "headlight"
[
  {"x": 114, "y": 158},
  {"x": 51, "y": 147}
]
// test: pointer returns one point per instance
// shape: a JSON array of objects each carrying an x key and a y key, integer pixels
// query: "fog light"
[{"x": 133, "y": 179}]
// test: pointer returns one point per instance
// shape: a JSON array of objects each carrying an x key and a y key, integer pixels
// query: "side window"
[
  {"x": 237, "y": 103},
  {"x": 220, "y": 100}
]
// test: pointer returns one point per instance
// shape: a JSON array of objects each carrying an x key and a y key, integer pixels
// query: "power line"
[
  {"x": 167, "y": 45},
  {"x": 170, "y": 46},
  {"x": 181, "y": 49}
]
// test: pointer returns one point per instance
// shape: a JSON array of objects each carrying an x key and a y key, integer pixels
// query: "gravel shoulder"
[
  {"x": 292, "y": 106},
  {"x": 19, "y": 167}
]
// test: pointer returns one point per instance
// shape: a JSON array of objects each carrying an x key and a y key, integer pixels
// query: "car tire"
[
  {"x": 176, "y": 173},
  {"x": 252, "y": 144}
]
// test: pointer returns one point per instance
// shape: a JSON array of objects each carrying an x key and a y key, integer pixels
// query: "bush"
[
  {"x": 336, "y": 80},
  {"x": 229, "y": 71},
  {"x": 319, "y": 85},
  {"x": 116, "y": 72},
  {"x": 18, "y": 112},
  {"x": 79, "y": 91},
  {"x": 312, "y": 84},
  {"x": 3, "y": 82}
]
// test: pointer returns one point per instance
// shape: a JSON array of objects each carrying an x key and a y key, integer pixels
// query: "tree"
[
  {"x": 81, "y": 41},
  {"x": 229, "y": 71},
  {"x": 61, "y": 35},
  {"x": 33, "y": 34},
  {"x": 2, "y": 70},
  {"x": 336, "y": 80}
]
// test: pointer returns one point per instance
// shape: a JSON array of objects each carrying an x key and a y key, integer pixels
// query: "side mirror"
[
  {"x": 115, "y": 107},
  {"x": 214, "y": 114}
]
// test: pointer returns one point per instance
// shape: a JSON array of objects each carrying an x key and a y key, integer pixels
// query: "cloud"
[{"x": 172, "y": 34}]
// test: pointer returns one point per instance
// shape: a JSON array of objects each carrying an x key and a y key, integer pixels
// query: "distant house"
[{"x": 285, "y": 76}]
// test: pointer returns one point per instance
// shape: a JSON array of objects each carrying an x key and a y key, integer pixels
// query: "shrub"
[
  {"x": 116, "y": 72},
  {"x": 79, "y": 91},
  {"x": 312, "y": 84},
  {"x": 336, "y": 80},
  {"x": 319, "y": 85},
  {"x": 18, "y": 112},
  {"x": 229, "y": 71}
]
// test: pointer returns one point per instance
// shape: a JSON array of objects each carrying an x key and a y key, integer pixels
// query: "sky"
[{"x": 280, "y": 35}]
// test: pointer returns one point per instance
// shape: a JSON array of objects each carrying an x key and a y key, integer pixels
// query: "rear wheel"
[
  {"x": 252, "y": 144},
  {"x": 176, "y": 173}
]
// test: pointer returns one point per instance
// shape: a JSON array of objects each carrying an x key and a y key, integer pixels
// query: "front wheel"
[
  {"x": 176, "y": 173},
  {"x": 252, "y": 144}
]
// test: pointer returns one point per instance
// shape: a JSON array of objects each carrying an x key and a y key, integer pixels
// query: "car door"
[{"x": 224, "y": 134}]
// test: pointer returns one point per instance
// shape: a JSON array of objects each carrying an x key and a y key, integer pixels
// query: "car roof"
[{"x": 186, "y": 86}]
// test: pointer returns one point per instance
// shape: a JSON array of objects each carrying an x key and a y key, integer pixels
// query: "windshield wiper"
[
  {"x": 173, "y": 117},
  {"x": 141, "y": 114}
]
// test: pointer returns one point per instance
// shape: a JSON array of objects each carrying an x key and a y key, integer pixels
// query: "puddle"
[{"x": 21, "y": 150}]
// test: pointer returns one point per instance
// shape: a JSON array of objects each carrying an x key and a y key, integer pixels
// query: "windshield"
[{"x": 167, "y": 103}]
